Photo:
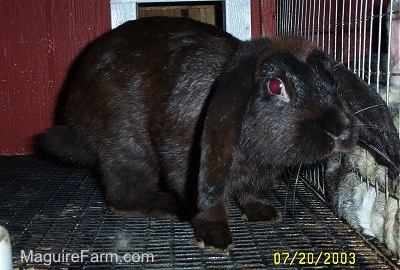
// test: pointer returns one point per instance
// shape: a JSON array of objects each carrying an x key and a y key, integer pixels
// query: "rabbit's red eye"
[{"x": 275, "y": 86}]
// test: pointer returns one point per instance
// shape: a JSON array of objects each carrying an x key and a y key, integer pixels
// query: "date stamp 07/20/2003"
[{"x": 311, "y": 258}]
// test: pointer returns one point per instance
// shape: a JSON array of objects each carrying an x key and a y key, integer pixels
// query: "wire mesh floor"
[{"x": 53, "y": 209}]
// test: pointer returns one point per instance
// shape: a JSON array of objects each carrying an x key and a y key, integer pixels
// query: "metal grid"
[
  {"x": 364, "y": 36},
  {"x": 359, "y": 33},
  {"x": 50, "y": 208}
]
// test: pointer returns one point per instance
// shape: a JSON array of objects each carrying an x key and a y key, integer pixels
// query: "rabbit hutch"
[{"x": 54, "y": 213}]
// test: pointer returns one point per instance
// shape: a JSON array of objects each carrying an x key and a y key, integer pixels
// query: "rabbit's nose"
[{"x": 336, "y": 124}]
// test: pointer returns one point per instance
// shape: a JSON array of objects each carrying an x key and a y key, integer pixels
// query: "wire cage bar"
[
  {"x": 362, "y": 34},
  {"x": 359, "y": 33}
]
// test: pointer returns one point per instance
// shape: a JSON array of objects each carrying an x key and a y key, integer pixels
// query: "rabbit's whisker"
[
  {"x": 291, "y": 177},
  {"x": 294, "y": 190},
  {"x": 286, "y": 196},
  {"x": 288, "y": 187},
  {"x": 379, "y": 152},
  {"x": 372, "y": 126},
  {"x": 368, "y": 108}
]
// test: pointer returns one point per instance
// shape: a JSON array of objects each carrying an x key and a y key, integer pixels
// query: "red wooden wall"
[
  {"x": 263, "y": 17},
  {"x": 39, "y": 39}
]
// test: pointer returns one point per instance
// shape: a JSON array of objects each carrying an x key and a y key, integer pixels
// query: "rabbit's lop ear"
[
  {"x": 376, "y": 129},
  {"x": 227, "y": 105}
]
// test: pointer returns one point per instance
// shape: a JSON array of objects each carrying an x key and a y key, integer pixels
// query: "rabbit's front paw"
[{"x": 213, "y": 235}]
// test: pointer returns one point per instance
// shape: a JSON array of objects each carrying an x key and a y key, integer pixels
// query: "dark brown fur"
[{"x": 177, "y": 114}]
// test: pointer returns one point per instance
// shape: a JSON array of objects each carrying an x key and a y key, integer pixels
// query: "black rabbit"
[{"x": 177, "y": 114}]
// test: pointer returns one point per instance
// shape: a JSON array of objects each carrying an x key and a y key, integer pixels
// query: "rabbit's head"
[
  {"x": 296, "y": 115},
  {"x": 286, "y": 103}
]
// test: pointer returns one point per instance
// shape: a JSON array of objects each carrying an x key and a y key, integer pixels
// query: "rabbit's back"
[{"x": 145, "y": 86}]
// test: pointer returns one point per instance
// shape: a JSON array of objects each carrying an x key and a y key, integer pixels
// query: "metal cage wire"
[
  {"x": 345, "y": 30},
  {"x": 355, "y": 32}
]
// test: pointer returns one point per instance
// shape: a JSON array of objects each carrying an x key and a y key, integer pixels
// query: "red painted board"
[
  {"x": 38, "y": 41},
  {"x": 263, "y": 18}
]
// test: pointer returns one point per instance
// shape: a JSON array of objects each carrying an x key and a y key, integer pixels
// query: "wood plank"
[{"x": 39, "y": 40}]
